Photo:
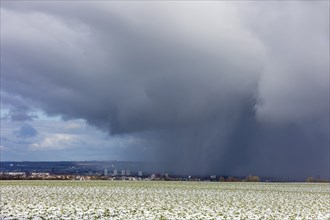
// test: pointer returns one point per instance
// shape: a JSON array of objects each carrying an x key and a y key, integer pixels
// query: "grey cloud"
[
  {"x": 22, "y": 116},
  {"x": 18, "y": 108},
  {"x": 19, "y": 115},
  {"x": 26, "y": 131},
  {"x": 205, "y": 91},
  {"x": 297, "y": 70}
]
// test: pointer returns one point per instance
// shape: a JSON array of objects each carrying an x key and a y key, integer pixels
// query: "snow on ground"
[{"x": 163, "y": 200}]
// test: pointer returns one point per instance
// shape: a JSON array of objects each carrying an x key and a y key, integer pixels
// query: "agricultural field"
[{"x": 163, "y": 200}]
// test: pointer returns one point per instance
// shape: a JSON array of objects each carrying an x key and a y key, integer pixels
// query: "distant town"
[{"x": 114, "y": 170}]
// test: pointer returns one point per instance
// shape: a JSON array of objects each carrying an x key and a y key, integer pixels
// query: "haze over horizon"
[{"x": 226, "y": 87}]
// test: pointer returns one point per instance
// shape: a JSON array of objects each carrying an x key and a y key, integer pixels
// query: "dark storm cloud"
[{"x": 211, "y": 87}]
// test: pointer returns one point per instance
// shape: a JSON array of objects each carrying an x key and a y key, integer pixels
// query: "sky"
[{"x": 232, "y": 88}]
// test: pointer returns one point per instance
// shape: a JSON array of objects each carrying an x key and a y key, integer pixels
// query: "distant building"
[
  {"x": 123, "y": 172},
  {"x": 40, "y": 174},
  {"x": 105, "y": 172},
  {"x": 128, "y": 172},
  {"x": 140, "y": 173},
  {"x": 115, "y": 172},
  {"x": 15, "y": 173}
]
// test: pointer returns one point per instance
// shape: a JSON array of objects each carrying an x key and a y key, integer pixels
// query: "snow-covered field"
[{"x": 162, "y": 200}]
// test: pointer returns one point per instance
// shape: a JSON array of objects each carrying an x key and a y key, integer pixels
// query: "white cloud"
[
  {"x": 55, "y": 142},
  {"x": 74, "y": 125}
]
